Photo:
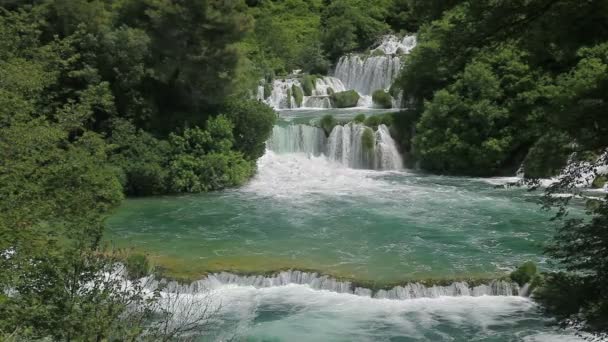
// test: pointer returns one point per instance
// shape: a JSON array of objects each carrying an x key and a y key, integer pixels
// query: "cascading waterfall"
[
  {"x": 367, "y": 74},
  {"x": 322, "y": 282},
  {"x": 345, "y": 145},
  {"x": 297, "y": 139},
  {"x": 362, "y": 73}
]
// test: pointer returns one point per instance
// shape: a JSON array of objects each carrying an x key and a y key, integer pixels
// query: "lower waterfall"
[
  {"x": 412, "y": 290},
  {"x": 344, "y": 145}
]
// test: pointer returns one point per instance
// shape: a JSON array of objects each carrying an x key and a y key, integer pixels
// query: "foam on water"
[{"x": 300, "y": 313}]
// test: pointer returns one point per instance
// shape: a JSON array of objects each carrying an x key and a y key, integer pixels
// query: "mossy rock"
[
  {"x": 382, "y": 119},
  {"x": 327, "y": 123},
  {"x": 382, "y": 99},
  {"x": 308, "y": 84},
  {"x": 599, "y": 182},
  {"x": 298, "y": 95},
  {"x": 267, "y": 90},
  {"x": 524, "y": 274},
  {"x": 345, "y": 99},
  {"x": 330, "y": 91},
  {"x": 368, "y": 140},
  {"x": 138, "y": 266},
  {"x": 359, "y": 118}
]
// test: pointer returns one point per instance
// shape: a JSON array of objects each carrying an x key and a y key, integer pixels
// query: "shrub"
[
  {"x": 548, "y": 156},
  {"x": 382, "y": 99},
  {"x": 253, "y": 122},
  {"x": 267, "y": 90},
  {"x": 345, "y": 99},
  {"x": 368, "y": 140},
  {"x": 524, "y": 274},
  {"x": 137, "y": 266},
  {"x": 308, "y": 84},
  {"x": 327, "y": 123},
  {"x": 359, "y": 118},
  {"x": 376, "y": 120},
  {"x": 298, "y": 95},
  {"x": 599, "y": 182}
]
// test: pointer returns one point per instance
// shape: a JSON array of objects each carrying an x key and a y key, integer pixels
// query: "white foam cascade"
[
  {"x": 345, "y": 145},
  {"x": 362, "y": 73},
  {"x": 367, "y": 74},
  {"x": 391, "y": 45},
  {"x": 282, "y": 97},
  {"x": 322, "y": 282}
]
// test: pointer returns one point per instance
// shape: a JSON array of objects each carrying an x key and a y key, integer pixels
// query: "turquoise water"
[{"x": 373, "y": 227}]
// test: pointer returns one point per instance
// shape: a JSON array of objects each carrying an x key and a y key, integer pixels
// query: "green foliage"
[
  {"x": 477, "y": 125},
  {"x": 327, "y": 123},
  {"x": 253, "y": 122},
  {"x": 548, "y": 156},
  {"x": 202, "y": 160},
  {"x": 137, "y": 266},
  {"x": 599, "y": 182},
  {"x": 345, "y": 99},
  {"x": 368, "y": 140},
  {"x": 524, "y": 273},
  {"x": 353, "y": 25},
  {"x": 376, "y": 120},
  {"x": 360, "y": 118},
  {"x": 308, "y": 84},
  {"x": 298, "y": 95},
  {"x": 382, "y": 99}
]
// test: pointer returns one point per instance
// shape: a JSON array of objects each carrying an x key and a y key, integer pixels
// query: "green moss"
[
  {"x": 599, "y": 182},
  {"x": 327, "y": 123},
  {"x": 345, "y": 99},
  {"x": 298, "y": 95},
  {"x": 382, "y": 99},
  {"x": 137, "y": 266},
  {"x": 368, "y": 140},
  {"x": 359, "y": 118},
  {"x": 330, "y": 91},
  {"x": 376, "y": 120},
  {"x": 308, "y": 84},
  {"x": 524, "y": 274}
]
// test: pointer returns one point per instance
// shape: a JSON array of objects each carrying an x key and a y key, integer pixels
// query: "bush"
[
  {"x": 137, "y": 266},
  {"x": 359, "y": 118},
  {"x": 298, "y": 95},
  {"x": 253, "y": 122},
  {"x": 599, "y": 182},
  {"x": 563, "y": 295},
  {"x": 203, "y": 160},
  {"x": 267, "y": 90},
  {"x": 382, "y": 99},
  {"x": 345, "y": 99},
  {"x": 328, "y": 123},
  {"x": 308, "y": 84},
  {"x": 376, "y": 120},
  {"x": 368, "y": 140},
  {"x": 524, "y": 274},
  {"x": 140, "y": 157}
]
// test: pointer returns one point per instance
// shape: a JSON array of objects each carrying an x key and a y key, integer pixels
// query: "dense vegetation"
[
  {"x": 100, "y": 99},
  {"x": 495, "y": 84}
]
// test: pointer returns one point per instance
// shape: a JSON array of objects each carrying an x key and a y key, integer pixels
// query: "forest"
[{"x": 102, "y": 100}]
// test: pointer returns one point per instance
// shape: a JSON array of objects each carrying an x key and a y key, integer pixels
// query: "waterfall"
[
  {"x": 345, "y": 145},
  {"x": 297, "y": 139},
  {"x": 367, "y": 74},
  {"x": 391, "y": 45},
  {"x": 364, "y": 74},
  {"x": 322, "y": 282}
]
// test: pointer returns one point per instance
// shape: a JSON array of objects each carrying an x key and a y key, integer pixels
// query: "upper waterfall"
[{"x": 364, "y": 73}]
